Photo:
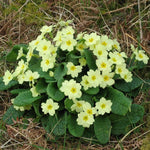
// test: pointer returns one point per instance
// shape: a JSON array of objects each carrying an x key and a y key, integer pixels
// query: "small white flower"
[
  {"x": 73, "y": 70},
  {"x": 49, "y": 107},
  {"x": 94, "y": 78},
  {"x": 91, "y": 39},
  {"x": 20, "y": 53},
  {"x": 7, "y": 77},
  {"x": 107, "y": 79},
  {"x": 103, "y": 64},
  {"x": 77, "y": 106},
  {"x": 68, "y": 43},
  {"x": 31, "y": 76},
  {"x": 103, "y": 106},
  {"x": 34, "y": 91},
  {"x": 89, "y": 109},
  {"x": 85, "y": 119},
  {"x": 85, "y": 82},
  {"x": 72, "y": 89}
]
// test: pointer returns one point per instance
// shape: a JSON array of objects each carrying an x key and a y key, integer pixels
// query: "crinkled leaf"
[
  {"x": 137, "y": 112},
  {"x": 12, "y": 55},
  {"x": 12, "y": 114},
  {"x": 120, "y": 103},
  {"x": 90, "y": 59},
  {"x": 60, "y": 126},
  {"x": 119, "y": 124},
  {"x": 92, "y": 91},
  {"x": 102, "y": 128},
  {"x": 9, "y": 85},
  {"x": 54, "y": 92},
  {"x": 68, "y": 104},
  {"x": 25, "y": 98},
  {"x": 128, "y": 86},
  {"x": 36, "y": 105},
  {"x": 60, "y": 71},
  {"x": 74, "y": 129},
  {"x": 52, "y": 125},
  {"x": 41, "y": 86},
  {"x": 17, "y": 91}
]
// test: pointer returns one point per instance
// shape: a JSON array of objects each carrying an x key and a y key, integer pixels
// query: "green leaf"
[
  {"x": 60, "y": 71},
  {"x": 17, "y": 91},
  {"x": 53, "y": 92},
  {"x": 41, "y": 86},
  {"x": 73, "y": 57},
  {"x": 92, "y": 91},
  {"x": 87, "y": 98},
  {"x": 128, "y": 86},
  {"x": 36, "y": 105},
  {"x": 90, "y": 59},
  {"x": 137, "y": 112},
  {"x": 120, "y": 103},
  {"x": 73, "y": 127},
  {"x": 68, "y": 103},
  {"x": 25, "y": 98},
  {"x": 120, "y": 124},
  {"x": 11, "y": 114},
  {"x": 9, "y": 85},
  {"x": 12, "y": 55},
  {"x": 60, "y": 126},
  {"x": 102, "y": 128},
  {"x": 53, "y": 125}
]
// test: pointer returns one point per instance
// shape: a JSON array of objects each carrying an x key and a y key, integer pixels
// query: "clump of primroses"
[{"x": 109, "y": 59}]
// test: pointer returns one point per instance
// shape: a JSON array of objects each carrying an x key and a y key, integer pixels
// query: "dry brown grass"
[{"x": 118, "y": 19}]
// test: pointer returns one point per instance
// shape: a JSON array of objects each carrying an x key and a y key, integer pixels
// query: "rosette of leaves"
[{"x": 49, "y": 80}]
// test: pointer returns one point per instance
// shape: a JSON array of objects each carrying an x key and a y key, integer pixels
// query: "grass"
[{"x": 20, "y": 21}]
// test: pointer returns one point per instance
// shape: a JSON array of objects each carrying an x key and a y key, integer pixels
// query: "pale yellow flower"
[
  {"x": 72, "y": 89},
  {"x": 73, "y": 70},
  {"x": 49, "y": 107},
  {"x": 103, "y": 106},
  {"x": 7, "y": 77},
  {"x": 85, "y": 119}
]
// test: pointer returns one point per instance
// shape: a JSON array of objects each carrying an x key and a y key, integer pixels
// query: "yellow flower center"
[
  {"x": 103, "y": 65},
  {"x": 45, "y": 48},
  {"x": 103, "y": 106},
  {"x": 114, "y": 59},
  {"x": 93, "y": 78},
  {"x": 80, "y": 47},
  {"x": 68, "y": 42},
  {"x": 73, "y": 90},
  {"x": 86, "y": 82},
  {"x": 49, "y": 107},
  {"x": 85, "y": 118},
  {"x": 37, "y": 42},
  {"x": 119, "y": 70},
  {"x": 72, "y": 68},
  {"x": 140, "y": 55},
  {"x": 100, "y": 52},
  {"x": 79, "y": 104},
  {"x": 68, "y": 33},
  {"x": 115, "y": 46},
  {"x": 31, "y": 78},
  {"x": 89, "y": 111},
  {"x": 106, "y": 78},
  {"x": 47, "y": 62},
  {"x": 22, "y": 67},
  {"x": 9, "y": 77},
  {"x": 91, "y": 40},
  {"x": 125, "y": 76},
  {"x": 104, "y": 43}
]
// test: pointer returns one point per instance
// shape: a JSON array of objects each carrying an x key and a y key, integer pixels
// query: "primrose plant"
[{"x": 77, "y": 83}]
